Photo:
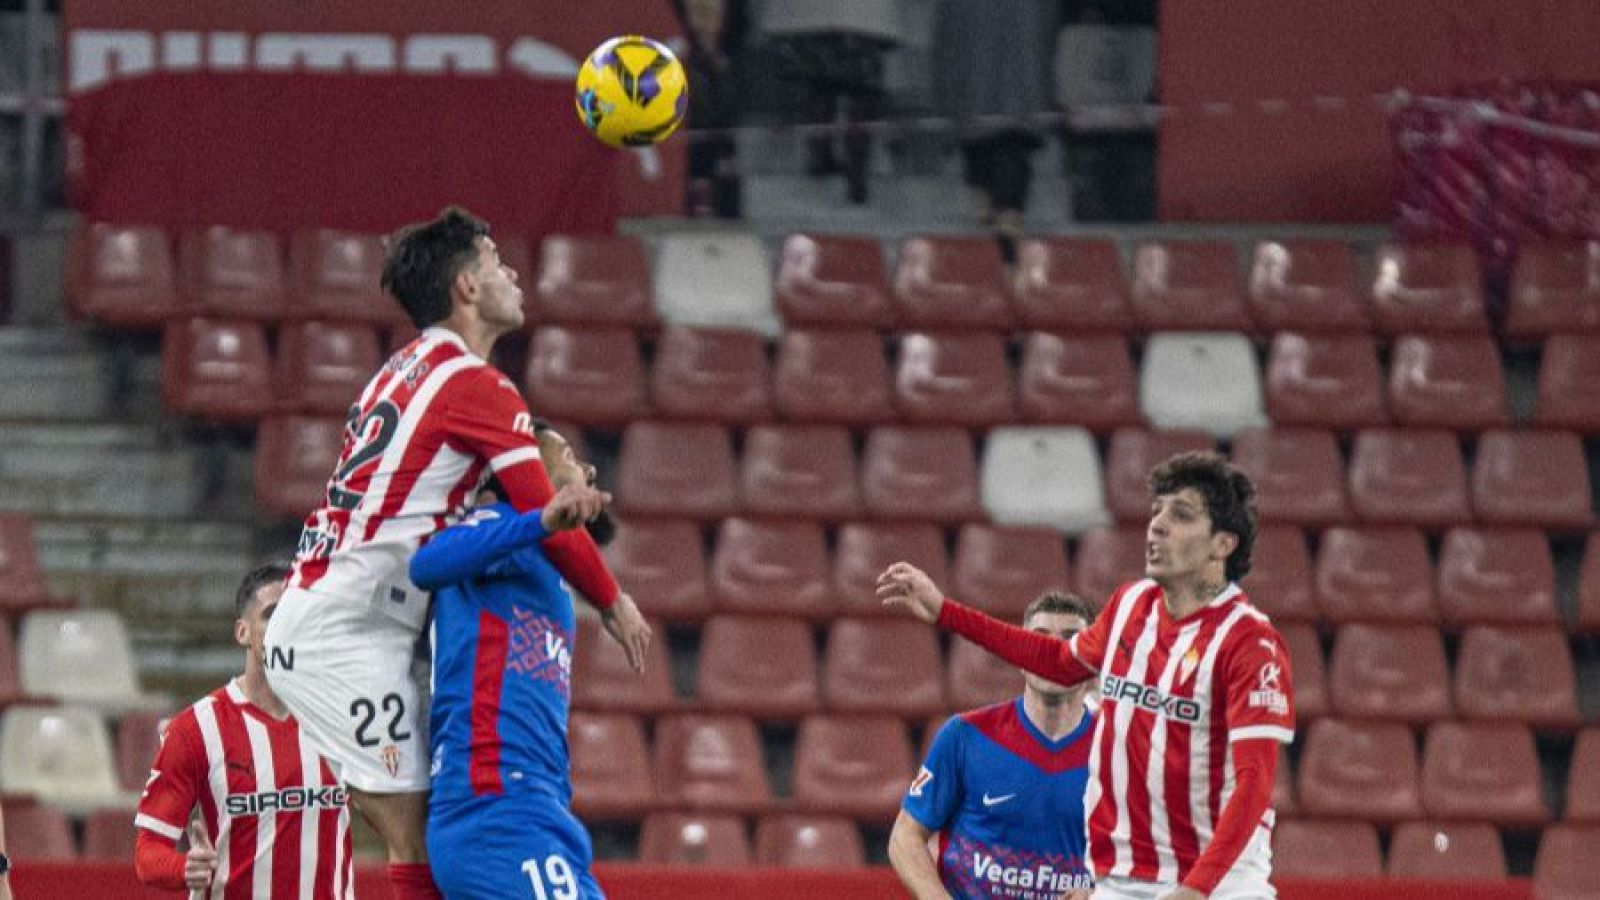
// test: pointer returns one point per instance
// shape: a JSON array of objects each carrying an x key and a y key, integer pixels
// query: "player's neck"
[
  {"x": 1185, "y": 596},
  {"x": 479, "y": 336},
  {"x": 253, "y": 684},
  {"x": 1054, "y": 717}
]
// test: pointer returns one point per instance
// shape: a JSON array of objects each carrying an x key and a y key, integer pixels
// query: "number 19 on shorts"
[{"x": 552, "y": 881}]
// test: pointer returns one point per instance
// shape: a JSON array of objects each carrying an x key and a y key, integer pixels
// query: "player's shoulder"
[
  {"x": 1129, "y": 592},
  {"x": 1252, "y": 622}
]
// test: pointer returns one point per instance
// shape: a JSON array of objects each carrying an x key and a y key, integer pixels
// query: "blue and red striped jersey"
[
  {"x": 502, "y": 665},
  {"x": 1008, "y": 803}
]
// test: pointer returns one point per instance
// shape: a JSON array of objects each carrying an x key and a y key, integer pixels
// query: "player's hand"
[
  {"x": 572, "y": 506},
  {"x": 1183, "y": 893},
  {"x": 201, "y": 862},
  {"x": 907, "y": 587},
  {"x": 627, "y": 627},
  {"x": 1078, "y": 894}
]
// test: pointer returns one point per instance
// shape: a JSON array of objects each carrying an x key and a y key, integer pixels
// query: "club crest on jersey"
[
  {"x": 391, "y": 760},
  {"x": 1268, "y": 694},
  {"x": 921, "y": 781},
  {"x": 1186, "y": 666}
]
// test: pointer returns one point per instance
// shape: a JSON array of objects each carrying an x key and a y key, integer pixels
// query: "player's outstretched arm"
[
  {"x": 906, "y": 586},
  {"x": 908, "y": 853},
  {"x": 627, "y": 627},
  {"x": 467, "y": 550}
]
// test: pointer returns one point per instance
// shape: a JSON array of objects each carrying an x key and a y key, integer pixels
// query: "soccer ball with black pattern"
[{"x": 631, "y": 92}]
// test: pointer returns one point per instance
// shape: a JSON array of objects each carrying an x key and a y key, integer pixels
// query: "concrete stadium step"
[
  {"x": 63, "y": 374},
  {"x": 154, "y": 573}
]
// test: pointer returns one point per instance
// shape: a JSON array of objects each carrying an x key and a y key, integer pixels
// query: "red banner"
[{"x": 352, "y": 116}]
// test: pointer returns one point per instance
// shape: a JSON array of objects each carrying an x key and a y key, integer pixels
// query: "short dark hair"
[
  {"x": 1229, "y": 495},
  {"x": 271, "y": 573},
  {"x": 424, "y": 260},
  {"x": 1059, "y": 602}
]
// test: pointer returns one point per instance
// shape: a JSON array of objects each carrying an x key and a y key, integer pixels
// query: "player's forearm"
[
  {"x": 908, "y": 853},
  {"x": 1040, "y": 654},
  {"x": 466, "y": 551},
  {"x": 157, "y": 862},
  {"x": 573, "y": 553},
  {"x": 1254, "y": 764}
]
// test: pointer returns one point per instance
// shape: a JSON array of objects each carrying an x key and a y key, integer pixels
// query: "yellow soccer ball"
[{"x": 632, "y": 92}]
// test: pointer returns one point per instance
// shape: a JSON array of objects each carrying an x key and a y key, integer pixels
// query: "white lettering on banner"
[
  {"x": 278, "y": 52},
  {"x": 1043, "y": 877}
]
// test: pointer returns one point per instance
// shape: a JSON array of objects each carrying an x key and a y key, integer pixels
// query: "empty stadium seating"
[
  {"x": 1395, "y": 672},
  {"x": 1207, "y": 381},
  {"x": 10, "y": 676},
  {"x": 663, "y": 560},
  {"x": 863, "y": 550},
  {"x": 294, "y": 456},
  {"x": 758, "y": 665},
  {"x": 1375, "y": 574},
  {"x": 79, "y": 656},
  {"x": 1531, "y": 478},
  {"x": 108, "y": 835},
  {"x": 138, "y": 739},
  {"x": 610, "y": 765},
  {"x": 1298, "y": 475},
  {"x": 1567, "y": 868},
  {"x": 1188, "y": 286},
  {"x": 1447, "y": 381},
  {"x": 1001, "y": 570},
  {"x": 715, "y": 279},
  {"x": 1447, "y": 851},
  {"x": 593, "y": 281},
  {"x": 808, "y": 842},
  {"x": 1046, "y": 477},
  {"x": 1072, "y": 380},
  {"x": 883, "y": 666},
  {"x": 1517, "y": 674},
  {"x": 975, "y": 677},
  {"x": 1324, "y": 381},
  {"x": 216, "y": 369},
  {"x": 1588, "y": 619},
  {"x": 1359, "y": 770},
  {"x": 833, "y": 281},
  {"x": 120, "y": 276},
  {"x": 1107, "y": 558},
  {"x": 21, "y": 579},
  {"x": 37, "y": 832},
  {"x": 1306, "y": 286},
  {"x": 1074, "y": 285},
  {"x": 1313, "y": 849},
  {"x": 1408, "y": 476},
  {"x": 1496, "y": 576},
  {"x": 855, "y": 766},
  {"x": 954, "y": 379},
  {"x": 799, "y": 471},
  {"x": 1427, "y": 287},
  {"x": 832, "y": 376},
  {"x": 712, "y": 763},
  {"x": 774, "y": 567},
  {"x": 952, "y": 282},
  {"x": 588, "y": 376},
  {"x": 1279, "y": 582},
  {"x": 228, "y": 273},
  {"x": 59, "y": 754},
  {"x": 1569, "y": 383},
  {"x": 1130, "y": 456},
  {"x": 927, "y": 474},
  {"x": 1310, "y": 674},
  {"x": 717, "y": 375},
  {"x": 1479, "y": 771},
  {"x": 334, "y": 276},
  {"x": 322, "y": 367},
  {"x": 1583, "y": 778},
  {"x": 603, "y": 681},
  {"x": 694, "y": 839},
  {"x": 675, "y": 469},
  {"x": 1555, "y": 288}
]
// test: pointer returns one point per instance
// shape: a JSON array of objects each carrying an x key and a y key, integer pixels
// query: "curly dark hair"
[
  {"x": 1229, "y": 495},
  {"x": 424, "y": 260}
]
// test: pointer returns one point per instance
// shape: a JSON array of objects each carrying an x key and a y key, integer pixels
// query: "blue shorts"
[{"x": 508, "y": 846}]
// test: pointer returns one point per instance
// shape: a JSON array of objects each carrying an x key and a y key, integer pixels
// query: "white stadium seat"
[
  {"x": 80, "y": 656},
  {"x": 60, "y": 754},
  {"x": 1204, "y": 380},
  {"x": 1043, "y": 476},
  {"x": 715, "y": 279}
]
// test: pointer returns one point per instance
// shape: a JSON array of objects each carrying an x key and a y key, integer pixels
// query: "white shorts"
[
  {"x": 1247, "y": 880},
  {"x": 357, "y": 679}
]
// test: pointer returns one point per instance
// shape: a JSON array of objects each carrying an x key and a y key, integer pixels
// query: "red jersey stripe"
[{"x": 489, "y": 670}]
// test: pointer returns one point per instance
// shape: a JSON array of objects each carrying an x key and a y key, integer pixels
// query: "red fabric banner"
[{"x": 352, "y": 116}]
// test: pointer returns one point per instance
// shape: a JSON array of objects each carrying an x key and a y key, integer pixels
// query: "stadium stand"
[
  {"x": 1077, "y": 380},
  {"x": 711, "y": 763},
  {"x": 717, "y": 375},
  {"x": 229, "y": 273},
  {"x": 808, "y": 842},
  {"x": 1071, "y": 285},
  {"x": 832, "y": 376},
  {"x": 779, "y": 682},
  {"x": 1447, "y": 851},
  {"x": 694, "y": 839},
  {"x": 593, "y": 281},
  {"x": 799, "y": 471},
  {"x": 603, "y": 681},
  {"x": 1002, "y": 569},
  {"x": 952, "y": 283},
  {"x": 1325, "y": 381},
  {"x": 1307, "y": 286},
  {"x": 772, "y": 567},
  {"x": 833, "y": 281},
  {"x": 1555, "y": 290},
  {"x": 665, "y": 560},
  {"x": 1427, "y": 287},
  {"x": 1188, "y": 286},
  {"x": 1447, "y": 381},
  {"x": 594, "y": 377}
]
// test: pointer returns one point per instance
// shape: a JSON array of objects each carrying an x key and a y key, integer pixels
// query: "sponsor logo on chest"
[{"x": 1152, "y": 699}]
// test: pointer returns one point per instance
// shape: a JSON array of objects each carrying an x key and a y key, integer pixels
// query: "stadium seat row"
[
  {"x": 1566, "y": 867},
  {"x": 125, "y": 276},
  {"x": 75, "y": 656}
]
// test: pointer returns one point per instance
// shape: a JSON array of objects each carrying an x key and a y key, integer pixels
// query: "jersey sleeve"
[
  {"x": 176, "y": 779},
  {"x": 936, "y": 793},
  {"x": 485, "y": 415},
  {"x": 1089, "y": 645},
  {"x": 1038, "y": 653},
  {"x": 469, "y": 548},
  {"x": 1260, "y": 687}
]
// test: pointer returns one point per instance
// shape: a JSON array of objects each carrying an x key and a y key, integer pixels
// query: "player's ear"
[
  {"x": 1223, "y": 543},
  {"x": 241, "y": 632}
]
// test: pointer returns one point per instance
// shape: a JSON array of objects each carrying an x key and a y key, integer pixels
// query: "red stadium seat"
[
  {"x": 694, "y": 839},
  {"x": 22, "y": 584},
  {"x": 1497, "y": 576},
  {"x": 1105, "y": 559},
  {"x": 1447, "y": 381},
  {"x": 1189, "y": 286},
  {"x": 1532, "y": 478},
  {"x": 122, "y": 276},
  {"x": 1409, "y": 476},
  {"x": 838, "y": 377},
  {"x": 1427, "y": 287},
  {"x": 1375, "y": 574},
  {"x": 771, "y": 567},
  {"x": 757, "y": 666},
  {"x": 864, "y": 549},
  {"x": 676, "y": 470},
  {"x": 1454, "y": 851},
  {"x": 920, "y": 473},
  {"x": 1569, "y": 383},
  {"x": 1087, "y": 381},
  {"x": 1298, "y": 475},
  {"x": 602, "y": 680},
  {"x": 1307, "y": 286},
  {"x": 589, "y": 377},
  {"x": 1310, "y": 674},
  {"x": 227, "y": 273},
  {"x": 883, "y": 666},
  {"x": 1555, "y": 289},
  {"x": 1392, "y": 672},
  {"x": 1567, "y": 868},
  {"x": 10, "y": 671},
  {"x": 595, "y": 280},
  {"x": 975, "y": 677},
  {"x": 1481, "y": 771},
  {"x": 1588, "y": 621},
  {"x": 335, "y": 276},
  {"x": 663, "y": 561},
  {"x": 1279, "y": 582},
  {"x": 1283, "y": 800},
  {"x": 1327, "y": 850},
  {"x": 295, "y": 456},
  {"x": 36, "y": 832},
  {"x": 138, "y": 739},
  {"x": 716, "y": 375},
  {"x": 809, "y": 842},
  {"x": 952, "y": 282},
  {"x": 1072, "y": 284},
  {"x": 711, "y": 763},
  {"x": 108, "y": 836},
  {"x": 322, "y": 367},
  {"x": 216, "y": 370},
  {"x": 1133, "y": 452},
  {"x": 833, "y": 281},
  {"x": 855, "y": 766},
  {"x": 954, "y": 379},
  {"x": 1325, "y": 381},
  {"x": 1001, "y": 570},
  {"x": 803, "y": 471},
  {"x": 1359, "y": 770},
  {"x": 1517, "y": 674},
  {"x": 1583, "y": 778},
  {"x": 610, "y": 767}
]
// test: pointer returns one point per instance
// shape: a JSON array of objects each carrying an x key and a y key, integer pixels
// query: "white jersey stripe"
[
  {"x": 513, "y": 457},
  {"x": 151, "y": 823},
  {"x": 1156, "y": 774},
  {"x": 437, "y": 480},
  {"x": 310, "y": 837},
  {"x": 1093, "y": 796},
  {"x": 1200, "y": 734},
  {"x": 1273, "y": 732},
  {"x": 1149, "y": 630},
  {"x": 205, "y": 715},
  {"x": 266, "y": 826}
]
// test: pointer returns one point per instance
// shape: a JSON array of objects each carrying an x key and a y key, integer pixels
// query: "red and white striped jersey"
[
  {"x": 271, "y": 806},
  {"x": 1175, "y": 694},
  {"x": 423, "y": 436}
]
